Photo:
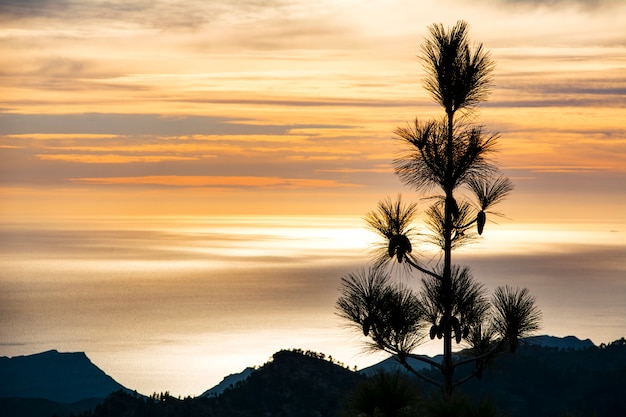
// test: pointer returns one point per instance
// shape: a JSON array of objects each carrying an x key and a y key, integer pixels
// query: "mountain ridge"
[
  {"x": 294, "y": 378},
  {"x": 566, "y": 342},
  {"x": 535, "y": 380},
  {"x": 228, "y": 382},
  {"x": 64, "y": 378},
  {"x": 25, "y": 385}
]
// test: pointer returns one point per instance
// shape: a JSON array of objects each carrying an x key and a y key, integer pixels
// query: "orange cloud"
[
  {"x": 381, "y": 169},
  {"x": 217, "y": 181},
  {"x": 112, "y": 158}
]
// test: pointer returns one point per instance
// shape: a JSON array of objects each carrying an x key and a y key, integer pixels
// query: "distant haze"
[{"x": 177, "y": 304}]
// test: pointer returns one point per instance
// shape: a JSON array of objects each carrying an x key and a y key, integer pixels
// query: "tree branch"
[
  {"x": 408, "y": 367},
  {"x": 400, "y": 357},
  {"x": 424, "y": 359},
  {"x": 490, "y": 352},
  {"x": 466, "y": 225},
  {"x": 421, "y": 269},
  {"x": 497, "y": 347}
]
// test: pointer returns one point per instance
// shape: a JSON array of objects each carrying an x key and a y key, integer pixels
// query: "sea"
[{"x": 177, "y": 303}]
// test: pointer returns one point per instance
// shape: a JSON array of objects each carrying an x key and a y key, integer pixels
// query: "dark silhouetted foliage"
[
  {"x": 535, "y": 381},
  {"x": 447, "y": 158},
  {"x": 292, "y": 384}
]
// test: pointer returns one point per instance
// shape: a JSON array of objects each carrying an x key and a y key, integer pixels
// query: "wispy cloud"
[
  {"x": 312, "y": 102},
  {"x": 109, "y": 158},
  {"x": 283, "y": 89},
  {"x": 217, "y": 181},
  {"x": 152, "y": 150},
  {"x": 585, "y": 4},
  {"x": 187, "y": 15},
  {"x": 157, "y": 13},
  {"x": 134, "y": 124}
]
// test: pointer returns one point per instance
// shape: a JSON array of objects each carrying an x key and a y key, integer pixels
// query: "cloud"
[
  {"x": 312, "y": 102},
  {"x": 556, "y": 102},
  {"x": 217, "y": 181},
  {"x": 113, "y": 158},
  {"x": 563, "y": 273},
  {"x": 386, "y": 169},
  {"x": 585, "y": 3},
  {"x": 159, "y": 14},
  {"x": 560, "y": 179},
  {"x": 213, "y": 25},
  {"x": 140, "y": 124},
  {"x": 146, "y": 150},
  {"x": 588, "y": 5},
  {"x": 89, "y": 10},
  {"x": 16, "y": 9}
]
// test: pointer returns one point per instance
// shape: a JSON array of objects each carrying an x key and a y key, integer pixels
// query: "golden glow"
[
  {"x": 216, "y": 181},
  {"x": 226, "y": 292},
  {"x": 112, "y": 158},
  {"x": 547, "y": 238}
]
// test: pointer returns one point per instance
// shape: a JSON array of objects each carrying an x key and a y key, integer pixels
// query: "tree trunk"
[{"x": 447, "y": 367}]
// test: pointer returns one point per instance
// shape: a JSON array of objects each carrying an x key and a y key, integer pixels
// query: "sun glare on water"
[{"x": 178, "y": 303}]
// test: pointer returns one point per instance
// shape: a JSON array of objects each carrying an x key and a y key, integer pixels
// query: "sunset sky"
[
  {"x": 213, "y": 107},
  {"x": 127, "y": 128}
]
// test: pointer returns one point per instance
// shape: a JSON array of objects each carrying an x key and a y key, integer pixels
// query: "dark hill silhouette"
[
  {"x": 228, "y": 382},
  {"x": 391, "y": 365},
  {"x": 60, "y": 377},
  {"x": 551, "y": 381},
  {"x": 568, "y": 377},
  {"x": 50, "y": 383},
  {"x": 567, "y": 342},
  {"x": 538, "y": 381},
  {"x": 39, "y": 407},
  {"x": 571, "y": 380},
  {"x": 293, "y": 384}
]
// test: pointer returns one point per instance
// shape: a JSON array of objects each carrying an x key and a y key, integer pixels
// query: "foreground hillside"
[
  {"x": 557, "y": 379},
  {"x": 536, "y": 381},
  {"x": 52, "y": 383},
  {"x": 59, "y": 377},
  {"x": 292, "y": 384},
  {"x": 541, "y": 381}
]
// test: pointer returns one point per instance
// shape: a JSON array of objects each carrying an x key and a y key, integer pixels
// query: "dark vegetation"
[
  {"x": 449, "y": 162},
  {"x": 41, "y": 407},
  {"x": 535, "y": 381},
  {"x": 293, "y": 384},
  {"x": 73, "y": 377},
  {"x": 540, "y": 381}
]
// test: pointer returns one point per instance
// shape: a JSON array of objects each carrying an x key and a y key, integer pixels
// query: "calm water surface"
[{"x": 178, "y": 303}]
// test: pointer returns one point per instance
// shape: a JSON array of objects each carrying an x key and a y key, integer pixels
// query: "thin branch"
[
  {"x": 408, "y": 367},
  {"x": 498, "y": 347},
  {"x": 421, "y": 269},
  {"x": 493, "y": 350},
  {"x": 397, "y": 355},
  {"x": 424, "y": 359},
  {"x": 466, "y": 225}
]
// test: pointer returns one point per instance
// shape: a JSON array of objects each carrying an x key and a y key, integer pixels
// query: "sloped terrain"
[
  {"x": 59, "y": 377},
  {"x": 577, "y": 380}
]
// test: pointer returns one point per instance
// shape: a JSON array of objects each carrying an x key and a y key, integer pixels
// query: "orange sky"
[{"x": 281, "y": 107}]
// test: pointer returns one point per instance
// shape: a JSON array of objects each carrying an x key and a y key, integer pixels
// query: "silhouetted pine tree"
[{"x": 442, "y": 158}]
